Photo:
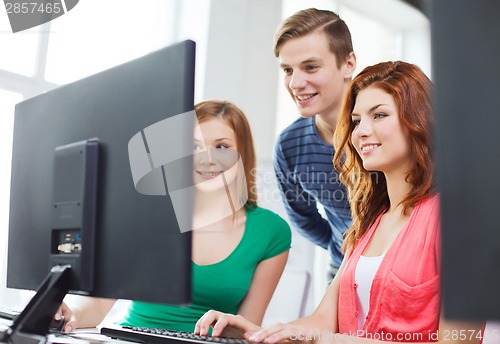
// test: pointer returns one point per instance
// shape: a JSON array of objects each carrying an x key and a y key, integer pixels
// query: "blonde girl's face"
[{"x": 215, "y": 155}]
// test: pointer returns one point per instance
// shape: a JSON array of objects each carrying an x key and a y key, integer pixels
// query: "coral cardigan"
[{"x": 405, "y": 294}]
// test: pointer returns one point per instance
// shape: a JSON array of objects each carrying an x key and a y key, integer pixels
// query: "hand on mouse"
[{"x": 64, "y": 319}]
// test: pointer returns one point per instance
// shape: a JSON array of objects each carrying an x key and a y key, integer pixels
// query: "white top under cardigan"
[{"x": 365, "y": 272}]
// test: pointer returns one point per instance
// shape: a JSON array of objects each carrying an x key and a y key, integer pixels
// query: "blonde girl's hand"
[
  {"x": 234, "y": 326},
  {"x": 65, "y": 314}
]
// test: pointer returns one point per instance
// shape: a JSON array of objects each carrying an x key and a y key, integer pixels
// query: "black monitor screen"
[
  {"x": 92, "y": 182},
  {"x": 466, "y": 71}
]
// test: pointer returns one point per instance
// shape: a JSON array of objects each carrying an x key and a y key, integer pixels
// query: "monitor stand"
[{"x": 32, "y": 325}]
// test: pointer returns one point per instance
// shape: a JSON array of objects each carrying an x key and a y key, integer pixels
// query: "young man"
[{"x": 315, "y": 52}]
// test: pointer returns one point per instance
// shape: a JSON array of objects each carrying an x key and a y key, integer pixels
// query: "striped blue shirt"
[{"x": 306, "y": 177}]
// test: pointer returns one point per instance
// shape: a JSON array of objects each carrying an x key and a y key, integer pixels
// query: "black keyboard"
[{"x": 163, "y": 336}]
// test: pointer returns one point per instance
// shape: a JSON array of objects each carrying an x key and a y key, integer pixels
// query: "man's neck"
[{"x": 326, "y": 127}]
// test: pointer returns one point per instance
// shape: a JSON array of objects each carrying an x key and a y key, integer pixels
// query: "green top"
[{"x": 223, "y": 285}]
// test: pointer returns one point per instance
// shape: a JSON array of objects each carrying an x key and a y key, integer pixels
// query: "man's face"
[{"x": 311, "y": 74}]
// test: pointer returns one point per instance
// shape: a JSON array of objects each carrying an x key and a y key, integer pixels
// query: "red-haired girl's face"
[{"x": 378, "y": 135}]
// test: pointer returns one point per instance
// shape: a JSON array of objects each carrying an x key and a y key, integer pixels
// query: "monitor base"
[{"x": 32, "y": 325}]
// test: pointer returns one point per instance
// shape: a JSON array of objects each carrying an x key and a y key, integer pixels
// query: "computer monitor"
[
  {"x": 101, "y": 180},
  {"x": 465, "y": 58}
]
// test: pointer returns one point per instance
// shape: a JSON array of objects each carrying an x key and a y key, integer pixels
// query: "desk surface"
[{"x": 80, "y": 336}]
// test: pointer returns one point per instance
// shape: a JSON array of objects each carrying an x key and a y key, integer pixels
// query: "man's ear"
[{"x": 349, "y": 65}]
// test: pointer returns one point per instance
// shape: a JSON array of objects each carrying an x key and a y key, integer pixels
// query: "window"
[{"x": 24, "y": 44}]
